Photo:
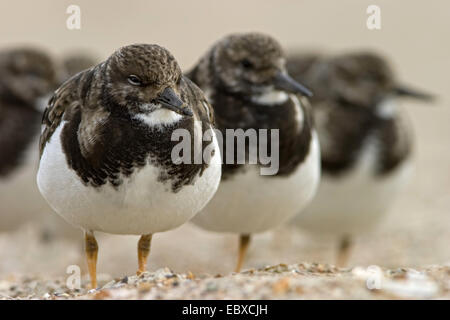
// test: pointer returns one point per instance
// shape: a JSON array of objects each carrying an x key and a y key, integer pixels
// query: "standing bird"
[
  {"x": 366, "y": 143},
  {"x": 27, "y": 76},
  {"x": 106, "y": 149},
  {"x": 245, "y": 78}
]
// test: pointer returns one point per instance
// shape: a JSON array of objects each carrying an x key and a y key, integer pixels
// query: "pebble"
[{"x": 298, "y": 281}]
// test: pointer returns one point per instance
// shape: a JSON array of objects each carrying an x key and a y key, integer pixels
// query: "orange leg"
[
  {"x": 143, "y": 252},
  {"x": 91, "y": 248},
  {"x": 244, "y": 241}
]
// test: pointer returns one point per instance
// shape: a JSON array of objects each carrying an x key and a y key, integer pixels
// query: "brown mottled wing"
[
  {"x": 200, "y": 105},
  {"x": 65, "y": 98},
  {"x": 342, "y": 132}
]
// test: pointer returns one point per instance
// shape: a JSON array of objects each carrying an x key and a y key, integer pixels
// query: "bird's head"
[
  {"x": 27, "y": 74},
  {"x": 364, "y": 79},
  {"x": 144, "y": 78},
  {"x": 253, "y": 64}
]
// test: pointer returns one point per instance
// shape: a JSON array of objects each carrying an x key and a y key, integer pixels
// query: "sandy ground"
[
  {"x": 414, "y": 235},
  {"x": 299, "y": 281}
]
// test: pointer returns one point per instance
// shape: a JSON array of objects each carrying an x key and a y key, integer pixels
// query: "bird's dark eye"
[
  {"x": 246, "y": 64},
  {"x": 134, "y": 80}
]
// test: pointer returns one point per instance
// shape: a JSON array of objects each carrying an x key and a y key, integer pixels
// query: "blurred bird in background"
[
  {"x": 365, "y": 138},
  {"x": 106, "y": 149},
  {"x": 245, "y": 78},
  {"x": 27, "y": 78}
]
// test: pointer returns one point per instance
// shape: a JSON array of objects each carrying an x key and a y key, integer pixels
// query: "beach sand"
[{"x": 414, "y": 235}]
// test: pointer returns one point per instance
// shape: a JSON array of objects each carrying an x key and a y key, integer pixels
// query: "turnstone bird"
[
  {"x": 365, "y": 140},
  {"x": 106, "y": 149},
  {"x": 245, "y": 78},
  {"x": 27, "y": 75}
]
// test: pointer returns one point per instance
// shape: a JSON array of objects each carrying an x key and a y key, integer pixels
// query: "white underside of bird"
[
  {"x": 249, "y": 202},
  {"x": 140, "y": 205},
  {"x": 354, "y": 202}
]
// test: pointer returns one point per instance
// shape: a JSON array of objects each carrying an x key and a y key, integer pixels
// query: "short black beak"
[
  {"x": 170, "y": 100},
  {"x": 284, "y": 82},
  {"x": 412, "y": 93}
]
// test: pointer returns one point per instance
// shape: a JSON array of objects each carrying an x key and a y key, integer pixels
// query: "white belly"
[
  {"x": 250, "y": 203},
  {"x": 140, "y": 205},
  {"x": 354, "y": 202}
]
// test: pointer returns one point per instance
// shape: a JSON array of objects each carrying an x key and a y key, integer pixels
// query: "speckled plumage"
[
  {"x": 365, "y": 140},
  {"x": 349, "y": 93},
  {"x": 244, "y": 77},
  {"x": 231, "y": 88},
  {"x": 26, "y": 76},
  {"x": 107, "y": 149},
  {"x": 220, "y": 67},
  {"x": 102, "y": 139}
]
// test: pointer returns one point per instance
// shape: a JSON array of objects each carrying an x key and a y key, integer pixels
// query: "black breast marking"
[
  {"x": 124, "y": 145},
  {"x": 395, "y": 145},
  {"x": 349, "y": 127},
  {"x": 19, "y": 126},
  {"x": 234, "y": 112},
  {"x": 103, "y": 143}
]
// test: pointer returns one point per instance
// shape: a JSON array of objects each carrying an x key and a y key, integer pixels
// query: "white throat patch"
[
  {"x": 159, "y": 117},
  {"x": 388, "y": 108},
  {"x": 271, "y": 97}
]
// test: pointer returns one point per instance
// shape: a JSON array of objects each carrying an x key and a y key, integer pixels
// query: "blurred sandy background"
[{"x": 415, "y": 35}]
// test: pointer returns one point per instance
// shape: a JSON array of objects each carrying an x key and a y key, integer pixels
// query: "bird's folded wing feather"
[
  {"x": 64, "y": 99},
  {"x": 200, "y": 104}
]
